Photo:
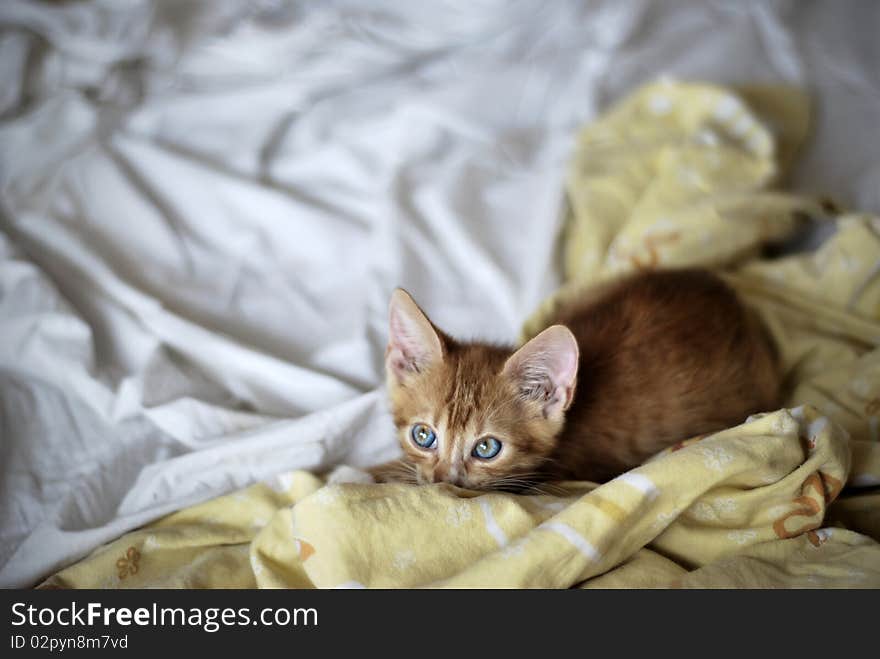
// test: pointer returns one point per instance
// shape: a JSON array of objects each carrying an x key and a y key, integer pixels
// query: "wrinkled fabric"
[
  {"x": 754, "y": 506},
  {"x": 206, "y": 205},
  {"x": 676, "y": 174}
]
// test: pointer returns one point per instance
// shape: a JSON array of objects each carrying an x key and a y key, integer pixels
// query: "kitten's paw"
[{"x": 346, "y": 474}]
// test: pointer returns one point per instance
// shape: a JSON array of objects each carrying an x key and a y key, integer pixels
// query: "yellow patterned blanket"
[{"x": 677, "y": 174}]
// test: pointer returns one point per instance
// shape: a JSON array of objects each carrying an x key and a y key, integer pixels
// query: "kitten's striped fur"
[{"x": 630, "y": 369}]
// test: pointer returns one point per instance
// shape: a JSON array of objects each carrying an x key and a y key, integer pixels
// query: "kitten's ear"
[
  {"x": 413, "y": 343},
  {"x": 545, "y": 369}
]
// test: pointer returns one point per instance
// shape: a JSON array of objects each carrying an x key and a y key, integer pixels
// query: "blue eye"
[
  {"x": 423, "y": 436},
  {"x": 487, "y": 448}
]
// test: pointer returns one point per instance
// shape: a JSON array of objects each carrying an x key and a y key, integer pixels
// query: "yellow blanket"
[{"x": 677, "y": 174}]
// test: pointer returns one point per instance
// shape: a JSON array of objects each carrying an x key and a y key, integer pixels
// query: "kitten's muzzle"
[{"x": 442, "y": 474}]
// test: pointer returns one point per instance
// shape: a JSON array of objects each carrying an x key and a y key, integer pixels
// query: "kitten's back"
[{"x": 664, "y": 355}]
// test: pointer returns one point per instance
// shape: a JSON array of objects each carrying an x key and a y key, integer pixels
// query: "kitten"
[{"x": 633, "y": 367}]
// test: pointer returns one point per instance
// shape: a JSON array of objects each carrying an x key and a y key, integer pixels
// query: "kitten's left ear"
[{"x": 545, "y": 369}]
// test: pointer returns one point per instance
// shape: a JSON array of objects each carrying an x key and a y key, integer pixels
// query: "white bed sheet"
[{"x": 205, "y": 207}]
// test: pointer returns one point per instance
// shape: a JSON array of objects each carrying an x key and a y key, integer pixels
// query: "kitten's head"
[{"x": 475, "y": 415}]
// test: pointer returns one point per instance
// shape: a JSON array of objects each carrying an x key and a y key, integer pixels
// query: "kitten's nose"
[{"x": 443, "y": 475}]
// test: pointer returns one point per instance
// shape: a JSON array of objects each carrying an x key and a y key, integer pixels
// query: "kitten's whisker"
[
  {"x": 553, "y": 490},
  {"x": 517, "y": 484},
  {"x": 524, "y": 483},
  {"x": 400, "y": 471}
]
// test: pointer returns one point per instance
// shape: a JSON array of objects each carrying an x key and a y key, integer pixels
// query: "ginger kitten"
[{"x": 632, "y": 368}]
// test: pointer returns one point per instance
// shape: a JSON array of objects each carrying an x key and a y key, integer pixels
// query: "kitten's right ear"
[
  {"x": 545, "y": 370},
  {"x": 413, "y": 343}
]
